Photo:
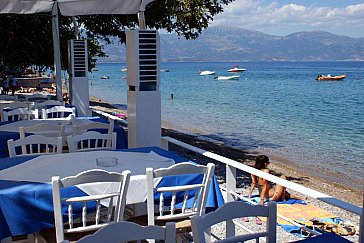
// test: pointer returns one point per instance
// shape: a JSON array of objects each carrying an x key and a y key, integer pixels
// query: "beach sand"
[{"x": 278, "y": 166}]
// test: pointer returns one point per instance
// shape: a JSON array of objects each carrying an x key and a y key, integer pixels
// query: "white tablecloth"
[
  {"x": 14, "y": 126},
  {"x": 42, "y": 168}
]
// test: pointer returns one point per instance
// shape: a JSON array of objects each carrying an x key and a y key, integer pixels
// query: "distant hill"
[{"x": 231, "y": 44}]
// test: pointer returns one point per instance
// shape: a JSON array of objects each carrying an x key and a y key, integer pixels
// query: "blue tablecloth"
[
  {"x": 121, "y": 142},
  {"x": 26, "y": 207}
]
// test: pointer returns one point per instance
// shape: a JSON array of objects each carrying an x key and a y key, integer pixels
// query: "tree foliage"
[{"x": 27, "y": 39}]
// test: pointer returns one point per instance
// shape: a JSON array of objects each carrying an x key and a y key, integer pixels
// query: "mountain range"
[{"x": 232, "y": 44}]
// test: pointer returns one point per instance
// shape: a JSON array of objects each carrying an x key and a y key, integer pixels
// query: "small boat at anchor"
[
  {"x": 105, "y": 77},
  {"x": 330, "y": 78},
  {"x": 236, "y": 69},
  {"x": 207, "y": 72},
  {"x": 232, "y": 77}
]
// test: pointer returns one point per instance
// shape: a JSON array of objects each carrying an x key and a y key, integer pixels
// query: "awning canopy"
[{"x": 74, "y": 7}]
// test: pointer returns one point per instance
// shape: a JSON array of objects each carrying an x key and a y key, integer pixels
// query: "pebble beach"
[{"x": 278, "y": 167}]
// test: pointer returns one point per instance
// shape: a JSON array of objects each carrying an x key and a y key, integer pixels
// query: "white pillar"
[
  {"x": 144, "y": 97},
  {"x": 57, "y": 51},
  {"x": 78, "y": 72}
]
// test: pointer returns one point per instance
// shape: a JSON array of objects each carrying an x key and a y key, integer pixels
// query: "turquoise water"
[{"x": 275, "y": 107}]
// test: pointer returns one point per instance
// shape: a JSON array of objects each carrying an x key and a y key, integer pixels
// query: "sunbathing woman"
[{"x": 266, "y": 190}]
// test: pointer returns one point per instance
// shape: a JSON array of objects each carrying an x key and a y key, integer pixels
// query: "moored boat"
[
  {"x": 233, "y": 77},
  {"x": 330, "y": 78},
  {"x": 236, "y": 69},
  {"x": 203, "y": 73},
  {"x": 105, "y": 77}
]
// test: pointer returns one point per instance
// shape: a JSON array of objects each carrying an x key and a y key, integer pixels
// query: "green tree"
[{"x": 27, "y": 39}]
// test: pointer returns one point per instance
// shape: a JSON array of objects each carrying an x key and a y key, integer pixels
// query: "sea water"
[{"x": 277, "y": 108}]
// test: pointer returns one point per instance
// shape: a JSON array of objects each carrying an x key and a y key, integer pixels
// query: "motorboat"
[
  {"x": 236, "y": 69},
  {"x": 232, "y": 77},
  {"x": 203, "y": 73},
  {"x": 124, "y": 69},
  {"x": 330, "y": 78},
  {"x": 165, "y": 70},
  {"x": 105, "y": 77}
]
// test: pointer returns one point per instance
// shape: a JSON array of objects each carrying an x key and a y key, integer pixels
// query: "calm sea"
[{"x": 276, "y": 108}]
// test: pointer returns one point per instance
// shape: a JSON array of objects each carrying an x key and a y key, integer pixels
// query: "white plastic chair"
[
  {"x": 12, "y": 105},
  {"x": 35, "y": 144},
  {"x": 37, "y": 97},
  {"x": 199, "y": 191},
  {"x": 16, "y": 104},
  {"x": 58, "y": 112},
  {"x": 44, "y": 129},
  {"x": 115, "y": 206},
  {"x": 78, "y": 129},
  {"x": 90, "y": 141},
  {"x": 40, "y": 105},
  {"x": 127, "y": 231},
  {"x": 20, "y": 114},
  {"x": 233, "y": 210}
]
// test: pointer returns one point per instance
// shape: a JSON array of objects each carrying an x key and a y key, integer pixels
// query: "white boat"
[
  {"x": 105, "y": 77},
  {"x": 233, "y": 77},
  {"x": 124, "y": 69},
  {"x": 236, "y": 69},
  {"x": 203, "y": 73}
]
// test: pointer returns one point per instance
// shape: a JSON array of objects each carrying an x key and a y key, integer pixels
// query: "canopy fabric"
[
  {"x": 74, "y": 7},
  {"x": 26, "y": 7}
]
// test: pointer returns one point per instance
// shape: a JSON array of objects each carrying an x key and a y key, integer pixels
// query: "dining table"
[
  {"x": 26, "y": 194},
  {"x": 10, "y": 130}
]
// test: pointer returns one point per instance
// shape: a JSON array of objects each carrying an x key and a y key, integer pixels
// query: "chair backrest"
[
  {"x": 34, "y": 144},
  {"x": 128, "y": 231},
  {"x": 196, "y": 191},
  {"x": 90, "y": 141},
  {"x": 44, "y": 129},
  {"x": 37, "y": 97},
  {"x": 42, "y": 104},
  {"x": 78, "y": 204},
  {"x": 9, "y": 97},
  {"x": 233, "y": 210},
  {"x": 78, "y": 129},
  {"x": 58, "y": 112},
  {"x": 16, "y": 104},
  {"x": 20, "y": 114}
]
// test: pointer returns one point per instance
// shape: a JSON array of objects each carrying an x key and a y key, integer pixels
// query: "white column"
[
  {"x": 57, "y": 51},
  {"x": 144, "y": 97}
]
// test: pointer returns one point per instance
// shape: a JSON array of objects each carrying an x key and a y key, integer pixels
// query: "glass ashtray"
[{"x": 106, "y": 161}]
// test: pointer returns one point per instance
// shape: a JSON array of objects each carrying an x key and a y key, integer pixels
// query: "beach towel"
[{"x": 308, "y": 215}]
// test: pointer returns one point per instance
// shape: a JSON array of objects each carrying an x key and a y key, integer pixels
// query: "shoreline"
[{"x": 316, "y": 181}]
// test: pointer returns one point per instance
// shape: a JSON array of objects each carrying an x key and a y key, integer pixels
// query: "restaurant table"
[
  {"x": 26, "y": 194},
  {"x": 10, "y": 130}
]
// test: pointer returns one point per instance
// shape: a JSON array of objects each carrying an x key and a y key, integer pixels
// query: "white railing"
[
  {"x": 115, "y": 118},
  {"x": 232, "y": 166}
]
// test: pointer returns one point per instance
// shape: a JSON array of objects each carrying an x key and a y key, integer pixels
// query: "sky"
[{"x": 283, "y": 17}]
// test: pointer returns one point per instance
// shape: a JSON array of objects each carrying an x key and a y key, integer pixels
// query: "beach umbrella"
[{"x": 73, "y": 8}]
